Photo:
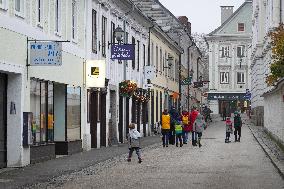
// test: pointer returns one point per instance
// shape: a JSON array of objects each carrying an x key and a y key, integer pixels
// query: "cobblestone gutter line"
[
  {"x": 57, "y": 182},
  {"x": 272, "y": 150}
]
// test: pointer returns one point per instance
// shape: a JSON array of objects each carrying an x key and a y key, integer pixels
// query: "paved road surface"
[{"x": 215, "y": 165}]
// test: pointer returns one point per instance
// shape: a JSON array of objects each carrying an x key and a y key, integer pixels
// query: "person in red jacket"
[
  {"x": 186, "y": 125},
  {"x": 192, "y": 119}
]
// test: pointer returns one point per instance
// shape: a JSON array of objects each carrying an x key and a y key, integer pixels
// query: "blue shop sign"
[
  {"x": 226, "y": 96},
  {"x": 123, "y": 52}
]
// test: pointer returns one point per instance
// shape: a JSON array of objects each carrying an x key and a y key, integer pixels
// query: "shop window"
[
  {"x": 73, "y": 113},
  {"x": 41, "y": 105}
]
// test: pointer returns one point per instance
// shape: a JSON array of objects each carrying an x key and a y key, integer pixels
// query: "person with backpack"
[
  {"x": 166, "y": 126},
  {"x": 178, "y": 132},
  {"x": 186, "y": 126},
  {"x": 237, "y": 126}
]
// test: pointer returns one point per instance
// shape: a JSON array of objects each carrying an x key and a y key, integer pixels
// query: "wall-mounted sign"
[
  {"x": 226, "y": 96},
  {"x": 95, "y": 73},
  {"x": 198, "y": 84},
  {"x": 149, "y": 72},
  {"x": 45, "y": 53},
  {"x": 123, "y": 52}
]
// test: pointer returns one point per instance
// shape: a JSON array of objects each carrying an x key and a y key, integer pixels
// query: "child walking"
[
  {"x": 229, "y": 129},
  {"x": 199, "y": 125},
  {"x": 134, "y": 142},
  {"x": 178, "y": 131}
]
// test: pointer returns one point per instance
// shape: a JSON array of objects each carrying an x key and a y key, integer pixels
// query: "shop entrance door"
[{"x": 3, "y": 120}]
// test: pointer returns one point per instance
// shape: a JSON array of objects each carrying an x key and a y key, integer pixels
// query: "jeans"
[
  {"x": 185, "y": 136},
  {"x": 138, "y": 152},
  {"x": 179, "y": 138},
  {"x": 165, "y": 138},
  {"x": 193, "y": 138}
]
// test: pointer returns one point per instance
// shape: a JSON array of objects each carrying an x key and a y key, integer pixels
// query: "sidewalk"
[
  {"x": 41, "y": 172},
  {"x": 272, "y": 150}
]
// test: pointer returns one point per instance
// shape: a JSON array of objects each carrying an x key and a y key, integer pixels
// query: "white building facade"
[
  {"x": 229, "y": 63},
  {"x": 266, "y": 16}
]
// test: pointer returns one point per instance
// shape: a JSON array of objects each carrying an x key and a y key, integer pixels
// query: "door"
[
  {"x": 3, "y": 120},
  {"x": 120, "y": 125},
  {"x": 103, "y": 118},
  {"x": 94, "y": 118}
]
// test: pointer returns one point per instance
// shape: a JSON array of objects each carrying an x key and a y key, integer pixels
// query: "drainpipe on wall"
[{"x": 188, "y": 72}]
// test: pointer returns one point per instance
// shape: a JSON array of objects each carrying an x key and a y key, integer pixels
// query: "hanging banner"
[
  {"x": 123, "y": 52},
  {"x": 45, "y": 53},
  {"x": 95, "y": 73}
]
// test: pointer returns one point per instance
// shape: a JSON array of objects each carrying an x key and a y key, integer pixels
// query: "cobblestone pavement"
[{"x": 214, "y": 165}]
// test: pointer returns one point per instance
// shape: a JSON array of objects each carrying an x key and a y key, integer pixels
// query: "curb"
[{"x": 278, "y": 164}]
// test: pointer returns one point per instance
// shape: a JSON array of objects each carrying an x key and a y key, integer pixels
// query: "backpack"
[{"x": 184, "y": 119}]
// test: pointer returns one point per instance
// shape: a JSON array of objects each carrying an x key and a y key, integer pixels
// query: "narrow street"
[{"x": 214, "y": 165}]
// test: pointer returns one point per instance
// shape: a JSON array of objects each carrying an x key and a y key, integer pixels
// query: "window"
[
  {"x": 138, "y": 55},
  {"x": 57, "y": 16},
  {"x": 224, "y": 77},
  {"x": 240, "y": 77},
  {"x": 225, "y": 51},
  {"x": 3, "y": 4},
  {"x": 94, "y": 32},
  {"x": 41, "y": 105},
  {"x": 39, "y": 12},
  {"x": 240, "y": 51},
  {"x": 241, "y": 27},
  {"x": 157, "y": 58},
  {"x": 104, "y": 25},
  {"x": 144, "y": 55},
  {"x": 73, "y": 113},
  {"x": 161, "y": 60},
  {"x": 74, "y": 20},
  {"x": 112, "y": 35},
  {"x": 19, "y": 7},
  {"x": 133, "y": 61},
  {"x": 152, "y": 54}
]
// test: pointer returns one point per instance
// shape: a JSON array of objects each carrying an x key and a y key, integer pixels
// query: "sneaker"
[
  {"x": 199, "y": 145},
  {"x": 129, "y": 160},
  {"x": 167, "y": 146},
  {"x": 177, "y": 145},
  {"x": 140, "y": 161},
  {"x": 181, "y": 145}
]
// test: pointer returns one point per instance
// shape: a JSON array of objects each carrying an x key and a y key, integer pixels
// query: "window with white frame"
[
  {"x": 39, "y": 12},
  {"x": 225, "y": 51},
  {"x": 241, "y": 51},
  {"x": 58, "y": 16},
  {"x": 19, "y": 7},
  {"x": 241, "y": 27},
  {"x": 74, "y": 19},
  {"x": 224, "y": 77},
  {"x": 3, "y": 4},
  {"x": 240, "y": 77}
]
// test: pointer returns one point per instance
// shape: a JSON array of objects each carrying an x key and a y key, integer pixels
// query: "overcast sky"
[{"x": 204, "y": 15}]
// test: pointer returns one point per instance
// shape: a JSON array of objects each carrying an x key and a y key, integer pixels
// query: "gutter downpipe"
[{"x": 188, "y": 73}]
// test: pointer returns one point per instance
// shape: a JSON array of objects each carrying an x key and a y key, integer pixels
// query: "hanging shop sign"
[
  {"x": 149, "y": 72},
  {"x": 198, "y": 84},
  {"x": 186, "y": 81},
  {"x": 95, "y": 73},
  {"x": 123, "y": 52},
  {"x": 45, "y": 53},
  {"x": 226, "y": 96}
]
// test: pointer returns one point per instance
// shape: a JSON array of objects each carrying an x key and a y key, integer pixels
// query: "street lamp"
[{"x": 119, "y": 33}]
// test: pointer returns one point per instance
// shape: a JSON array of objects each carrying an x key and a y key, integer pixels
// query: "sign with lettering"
[
  {"x": 226, "y": 96},
  {"x": 123, "y": 52},
  {"x": 45, "y": 53}
]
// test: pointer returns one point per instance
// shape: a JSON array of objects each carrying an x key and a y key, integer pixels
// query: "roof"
[
  {"x": 279, "y": 84},
  {"x": 231, "y": 17}
]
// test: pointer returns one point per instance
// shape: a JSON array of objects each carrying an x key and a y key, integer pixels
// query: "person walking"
[
  {"x": 192, "y": 119},
  {"x": 178, "y": 132},
  {"x": 237, "y": 126},
  {"x": 198, "y": 127},
  {"x": 134, "y": 142},
  {"x": 166, "y": 126},
  {"x": 186, "y": 126},
  {"x": 229, "y": 129},
  {"x": 224, "y": 113}
]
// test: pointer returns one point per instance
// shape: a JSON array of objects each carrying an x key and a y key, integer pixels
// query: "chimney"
[
  {"x": 184, "y": 21},
  {"x": 226, "y": 12}
]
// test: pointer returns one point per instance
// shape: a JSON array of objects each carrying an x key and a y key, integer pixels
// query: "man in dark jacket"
[{"x": 237, "y": 126}]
